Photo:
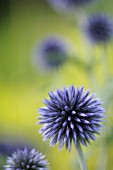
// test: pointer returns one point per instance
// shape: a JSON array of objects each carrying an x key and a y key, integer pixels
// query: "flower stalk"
[{"x": 81, "y": 158}]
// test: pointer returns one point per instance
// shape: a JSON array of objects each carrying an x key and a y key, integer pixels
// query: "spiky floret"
[
  {"x": 68, "y": 4},
  {"x": 26, "y": 160},
  {"x": 52, "y": 52},
  {"x": 70, "y": 114},
  {"x": 99, "y": 28}
]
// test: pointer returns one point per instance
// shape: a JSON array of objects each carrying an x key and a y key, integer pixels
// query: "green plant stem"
[
  {"x": 78, "y": 62},
  {"x": 91, "y": 67},
  {"x": 105, "y": 63},
  {"x": 108, "y": 80},
  {"x": 102, "y": 158},
  {"x": 82, "y": 161}
]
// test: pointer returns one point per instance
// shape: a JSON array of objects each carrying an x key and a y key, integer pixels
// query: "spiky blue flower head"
[
  {"x": 69, "y": 4},
  {"x": 70, "y": 115},
  {"x": 26, "y": 160},
  {"x": 99, "y": 28},
  {"x": 52, "y": 52}
]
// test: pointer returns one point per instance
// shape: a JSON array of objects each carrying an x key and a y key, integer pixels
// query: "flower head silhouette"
[
  {"x": 68, "y": 4},
  {"x": 99, "y": 28},
  {"x": 52, "y": 52}
]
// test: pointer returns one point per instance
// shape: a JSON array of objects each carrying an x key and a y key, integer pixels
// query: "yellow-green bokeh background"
[{"x": 23, "y": 23}]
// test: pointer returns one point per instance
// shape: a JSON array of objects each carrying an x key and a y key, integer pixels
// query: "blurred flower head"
[
  {"x": 99, "y": 28},
  {"x": 70, "y": 114},
  {"x": 52, "y": 53},
  {"x": 68, "y": 4},
  {"x": 6, "y": 148},
  {"x": 25, "y": 159}
]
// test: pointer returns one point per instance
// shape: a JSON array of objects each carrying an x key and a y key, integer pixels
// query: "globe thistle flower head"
[
  {"x": 70, "y": 115},
  {"x": 99, "y": 28},
  {"x": 52, "y": 53},
  {"x": 26, "y": 160},
  {"x": 66, "y": 5}
]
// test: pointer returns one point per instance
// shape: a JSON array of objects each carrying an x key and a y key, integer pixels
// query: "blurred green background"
[{"x": 23, "y": 23}]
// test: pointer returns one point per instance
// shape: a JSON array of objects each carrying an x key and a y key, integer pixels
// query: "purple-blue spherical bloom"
[
  {"x": 68, "y": 4},
  {"x": 99, "y": 28},
  {"x": 70, "y": 115},
  {"x": 52, "y": 53},
  {"x": 26, "y": 160}
]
